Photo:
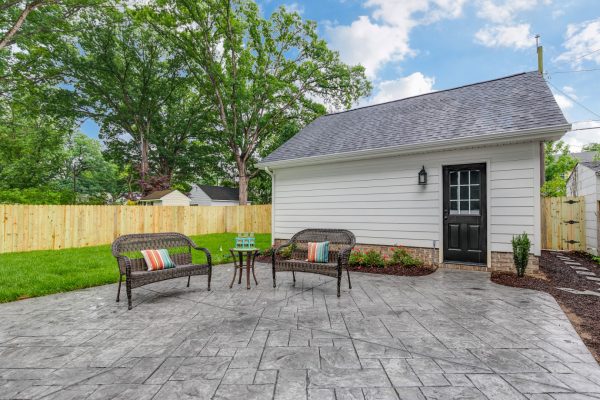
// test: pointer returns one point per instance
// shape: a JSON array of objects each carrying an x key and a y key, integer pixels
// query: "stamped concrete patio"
[{"x": 450, "y": 335}]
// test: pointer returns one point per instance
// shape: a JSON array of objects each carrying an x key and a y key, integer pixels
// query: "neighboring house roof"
[
  {"x": 593, "y": 165},
  {"x": 157, "y": 195},
  {"x": 584, "y": 155},
  {"x": 515, "y": 103},
  {"x": 221, "y": 193}
]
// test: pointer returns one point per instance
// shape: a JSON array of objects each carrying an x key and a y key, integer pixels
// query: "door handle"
[{"x": 445, "y": 215}]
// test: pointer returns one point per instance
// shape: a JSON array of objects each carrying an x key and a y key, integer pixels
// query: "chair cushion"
[
  {"x": 157, "y": 259},
  {"x": 318, "y": 252},
  {"x": 305, "y": 266}
]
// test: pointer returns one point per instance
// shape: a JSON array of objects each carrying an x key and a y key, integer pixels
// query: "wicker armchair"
[
  {"x": 341, "y": 243},
  {"x": 132, "y": 265}
]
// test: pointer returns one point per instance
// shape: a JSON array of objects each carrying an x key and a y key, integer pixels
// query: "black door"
[{"x": 465, "y": 237}]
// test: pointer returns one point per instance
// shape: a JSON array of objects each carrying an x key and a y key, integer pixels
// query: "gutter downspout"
[{"x": 272, "y": 175}]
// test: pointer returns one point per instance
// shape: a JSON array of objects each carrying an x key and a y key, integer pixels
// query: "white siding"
[
  {"x": 175, "y": 198},
  {"x": 199, "y": 197},
  {"x": 584, "y": 182},
  {"x": 381, "y": 202}
]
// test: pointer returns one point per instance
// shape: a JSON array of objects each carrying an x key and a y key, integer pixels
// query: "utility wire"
[
  {"x": 572, "y": 99},
  {"x": 585, "y": 55},
  {"x": 573, "y": 71}
]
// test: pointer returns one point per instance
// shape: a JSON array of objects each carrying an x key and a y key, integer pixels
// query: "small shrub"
[
  {"x": 401, "y": 256},
  {"x": 287, "y": 252},
  {"x": 356, "y": 259},
  {"x": 373, "y": 259},
  {"x": 521, "y": 246}
]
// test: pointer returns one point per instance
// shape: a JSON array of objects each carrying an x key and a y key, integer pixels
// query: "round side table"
[{"x": 238, "y": 263}]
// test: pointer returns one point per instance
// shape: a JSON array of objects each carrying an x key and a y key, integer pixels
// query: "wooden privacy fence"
[
  {"x": 35, "y": 227},
  {"x": 563, "y": 223}
]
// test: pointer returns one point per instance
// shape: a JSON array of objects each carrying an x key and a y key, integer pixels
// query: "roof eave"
[{"x": 545, "y": 133}]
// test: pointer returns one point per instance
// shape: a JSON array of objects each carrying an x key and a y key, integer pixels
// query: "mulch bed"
[
  {"x": 389, "y": 270},
  {"x": 395, "y": 270},
  {"x": 582, "y": 310}
]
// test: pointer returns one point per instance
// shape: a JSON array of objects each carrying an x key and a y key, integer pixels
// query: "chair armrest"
[
  {"x": 344, "y": 255},
  {"x": 205, "y": 250},
  {"x": 127, "y": 264},
  {"x": 278, "y": 248}
]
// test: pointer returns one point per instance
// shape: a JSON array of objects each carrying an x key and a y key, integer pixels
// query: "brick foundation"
[{"x": 501, "y": 261}]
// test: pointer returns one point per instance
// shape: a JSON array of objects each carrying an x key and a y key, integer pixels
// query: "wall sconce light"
[{"x": 423, "y": 176}]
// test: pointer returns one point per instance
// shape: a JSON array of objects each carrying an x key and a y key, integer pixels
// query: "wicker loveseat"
[
  {"x": 341, "y": 243},
  {"x": 132, "y": 265}
]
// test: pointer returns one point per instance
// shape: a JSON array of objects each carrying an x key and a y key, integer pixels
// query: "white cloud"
[
  {"x": 505, "y": 30},
  {"x": 500, "y": 13},
  {"x": 563, "y": 102},
  {"x": 369, "y": 44},
  {"x": 411, "y": 85},
  {"x": 516, "y": 36},
  {"x": 294, "y": 7},
  {"x": 581, "y": 39},
  {"x": 383, "y": 36},
  {"x": 576, "y": 139}
]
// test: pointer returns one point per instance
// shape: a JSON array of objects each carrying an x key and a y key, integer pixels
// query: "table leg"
[
  {"x": 248, "y": 261},
  {"x": 253, "y": 274},
  {"x": 235, "y": 268},
  {"x": 241, "y": 267}
]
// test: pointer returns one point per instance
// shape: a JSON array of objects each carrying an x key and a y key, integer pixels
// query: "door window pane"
[
  {"x": 464, "y": 206},
  {"x": 454, "y": 178},
  {"x": 474, "y": 177},
  {"x": 453, "y": 207},
  {"x": 464, "y": 177},
  {"x": 464, "y": 192},
  {"x": 474, "y": 192},
  {"x": 474, "y": 207},
  {"x": 454, "y": 193}
]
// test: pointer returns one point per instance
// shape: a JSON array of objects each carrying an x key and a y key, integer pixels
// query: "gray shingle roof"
[
  {"x": 221, "y": 192},
  {"x": 593, "y": 165},
  {"x": 509, "y": 104},
  {"x": 157, "y": 195},
  {"x": 584, "y": 156}
]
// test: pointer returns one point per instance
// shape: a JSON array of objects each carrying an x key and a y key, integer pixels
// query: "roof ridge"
[{"x": 426, "y": 94}]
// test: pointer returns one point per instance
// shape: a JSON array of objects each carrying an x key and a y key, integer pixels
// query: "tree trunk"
[
  {"x": 243, "y": 180},
  {"x": 144, "y": 161},
  {"x": 244, "y": 189}
]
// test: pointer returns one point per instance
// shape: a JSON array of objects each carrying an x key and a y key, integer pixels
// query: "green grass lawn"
[{"x": 38, "y": 273}]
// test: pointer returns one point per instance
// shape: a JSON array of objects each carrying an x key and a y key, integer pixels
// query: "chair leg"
[
  {"x": 339, "y": 282},
  {"x": 119, "y": 290},
  {"x": 128, "y": 289},
  {"x": 274, "y": 279},
  {"x": 209, "y": 277},
  {"x": 189, "y": 277},
  {"x": 349, "y": 283},
  {"x": 294, "y": 278}
]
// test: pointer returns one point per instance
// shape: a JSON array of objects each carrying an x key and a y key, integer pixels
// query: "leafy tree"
[
  {"x": 88, "y": 175},
  {"x": 558, "y": 165},
  {"x": 258, "y": 74},
  {"x": 40, "y": 195},
  {"x": 593, "y": 147},
  {"x": 133, "y": 84},
  {"x": 32, "y": 140}
]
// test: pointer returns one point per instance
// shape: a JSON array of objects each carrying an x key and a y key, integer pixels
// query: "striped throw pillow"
[
  {"x": 157, "y": 259},
  {"x": 318, "y": 252}
]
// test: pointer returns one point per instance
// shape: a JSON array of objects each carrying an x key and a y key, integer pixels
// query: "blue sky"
[{"x": 411, "y": 47}]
